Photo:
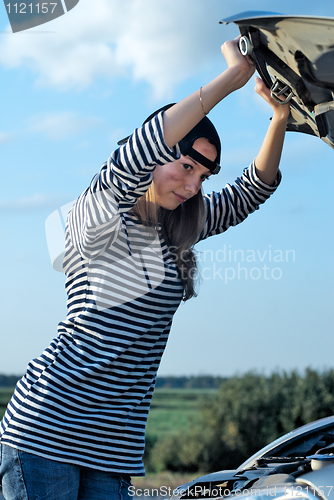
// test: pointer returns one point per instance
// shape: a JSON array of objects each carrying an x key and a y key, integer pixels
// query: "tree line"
[
  {"x": 8, "y": 380},
  {"x": 190, "y": 382},
  {"x": 169, "y": 382}
]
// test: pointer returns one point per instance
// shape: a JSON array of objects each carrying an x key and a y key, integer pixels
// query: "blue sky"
[{"x": 69, "y": 90}]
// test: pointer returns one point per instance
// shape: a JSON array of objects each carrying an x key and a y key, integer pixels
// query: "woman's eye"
[
  {"x": 204, "y": 178},
  {"x": 186, "y": 166}
]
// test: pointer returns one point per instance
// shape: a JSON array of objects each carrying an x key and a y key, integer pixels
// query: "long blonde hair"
[{"x": 180, "y": 228}]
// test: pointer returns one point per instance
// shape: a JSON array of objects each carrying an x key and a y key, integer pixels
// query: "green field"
[
  {"x": 174, "y": 409},
  {"x": 5, "y": 395},
  {"x": 171, "y": 409}
]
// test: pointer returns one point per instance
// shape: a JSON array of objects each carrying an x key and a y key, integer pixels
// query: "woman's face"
[{"x": 177, "y": 181}]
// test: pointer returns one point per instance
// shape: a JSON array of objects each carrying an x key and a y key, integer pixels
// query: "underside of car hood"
[{"x": 294, "y": 55}]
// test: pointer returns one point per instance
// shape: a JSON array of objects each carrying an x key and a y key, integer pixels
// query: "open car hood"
[
  {"x": 289, "y": 459},
  {"x": 294, "y": 55}
]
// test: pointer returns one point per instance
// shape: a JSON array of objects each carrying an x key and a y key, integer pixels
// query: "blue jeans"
[{"x": 25, "y": 476}]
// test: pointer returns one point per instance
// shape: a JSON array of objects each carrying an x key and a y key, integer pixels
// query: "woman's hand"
[
  {"x": 181, "y": 118},
  {"x": 243, "y": 67},
  {"x": 280, "y": 110}
]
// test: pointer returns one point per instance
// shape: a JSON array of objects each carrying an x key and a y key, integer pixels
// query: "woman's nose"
[{"x": 193, "y": 186}]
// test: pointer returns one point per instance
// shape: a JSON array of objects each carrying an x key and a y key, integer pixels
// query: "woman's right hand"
[
  {"x": 242, "y": 66},
  {"x": 181, "y": 118}
]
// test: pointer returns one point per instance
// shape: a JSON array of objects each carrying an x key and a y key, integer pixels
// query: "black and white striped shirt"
[{"x": 85, "y": 400}]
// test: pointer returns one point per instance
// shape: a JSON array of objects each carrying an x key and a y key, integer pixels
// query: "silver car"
[{"x": 299, "y": 464}]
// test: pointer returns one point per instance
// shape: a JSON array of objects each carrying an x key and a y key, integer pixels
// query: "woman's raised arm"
[
  {"x": 181, "y": 118},
  {"x": 268, "y": 158}
]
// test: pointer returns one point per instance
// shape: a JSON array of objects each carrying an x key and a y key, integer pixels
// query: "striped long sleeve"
[{"x": 235, "y": 202}]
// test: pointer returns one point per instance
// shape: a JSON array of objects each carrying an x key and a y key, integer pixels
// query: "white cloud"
[
  {"x": 160, "y": 43},
  {"x": 57, "y": 126}
]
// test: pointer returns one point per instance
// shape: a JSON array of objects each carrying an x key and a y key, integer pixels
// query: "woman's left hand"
[{"x": 282, "y": 110}]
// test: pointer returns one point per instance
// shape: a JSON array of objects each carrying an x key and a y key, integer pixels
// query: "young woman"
[{"x": 75, "y": 426}]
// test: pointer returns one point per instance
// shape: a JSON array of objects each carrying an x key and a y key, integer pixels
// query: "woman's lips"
[{"x": 181, "y": 199}]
